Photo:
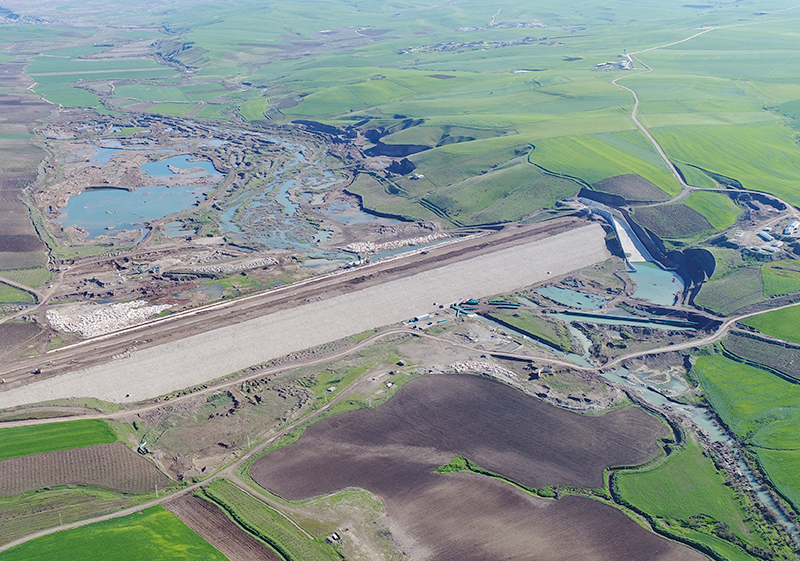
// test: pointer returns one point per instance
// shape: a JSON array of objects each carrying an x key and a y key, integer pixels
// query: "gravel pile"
[
  {"x": 91, "y": 320},
  {"x": 370, "y": 247},
  {"x": 481, "y": 368},
  {"x": 232, "y": 267}
]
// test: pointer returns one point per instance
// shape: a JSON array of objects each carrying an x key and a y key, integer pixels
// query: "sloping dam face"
[{"x": 197, "y": 359}]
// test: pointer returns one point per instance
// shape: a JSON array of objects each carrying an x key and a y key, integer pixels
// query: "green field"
[
  {"x": 730, "y": 290},
  {"x": 768, "y": 159},
  {"x": 254, "y": 109},
  {"x": 783, "y": 467},
  {"x": 687, "y": 484},
  {"x": 9, "y": 293},
  {"x": 38, "y": 439},
  {"x": 64, "y": 94},
  {"x": 718, "y": 209},
  {"x": 441, "y": 77},
  {"x": 64, "y": 64},
  {"x": 215, "y": 111},
  {"x": 174, "y": 109},
  {"x": 593, "y": 159},
  {"x": 761, "y": 409},
  {"x": 39, "y": 510},
  {"x": 550, "y": 332},
  {"x": 783, "y": 324},
  {"x": 465, "y": 189},
  {"x": 153, "y": 534},
  {"x": 781, "y": 277},
  {"x": 267, "y": 524}
]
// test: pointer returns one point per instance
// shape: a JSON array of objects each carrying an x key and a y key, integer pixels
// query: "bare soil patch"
[
  {"x": 18, "y": 168},
  {"x": 14, "y": 333},
  {"x": 499, "y": 428},
  {"x": 219, "y": 530},
  {"x": 632, "y": 187},
  {"x": 393, "y": 451},
  {"x": 20, "y": 243},
  {"x": 110, "y": 466}
]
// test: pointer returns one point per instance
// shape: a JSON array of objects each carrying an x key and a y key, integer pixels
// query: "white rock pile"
[
  {"x": 91, "y": 320},
  {"x": 232, "y": 267},
  {"x": 481, "y": 368},
  {"x": 371, "y": 247}
]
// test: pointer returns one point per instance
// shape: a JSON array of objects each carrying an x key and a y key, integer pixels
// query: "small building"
[
  {"x": 789, "y": 230},
  {"x": 766, "y": 237}
]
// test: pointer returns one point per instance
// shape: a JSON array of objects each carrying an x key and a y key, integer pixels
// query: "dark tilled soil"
[
  {"x": 20, "y": 243},
  {"x": 468, "y": 517},
  {"x": 393, "y": 451},
  {"x": 111, "y": 466},
  {"x": 494, "y": 425},
  {"x": 220, "y": 531},
  {"x": 633, "y": 187},
  {"x": 13, "y": 334},
  {"x": 672, "y": 220}
]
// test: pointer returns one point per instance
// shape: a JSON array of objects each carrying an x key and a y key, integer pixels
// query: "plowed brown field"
[
  {"x": 110, "y": 466},
  {"x": 393, "y": 451},
  {"x": 219, "y": 530}
]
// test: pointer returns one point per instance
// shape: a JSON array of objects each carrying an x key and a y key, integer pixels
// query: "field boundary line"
[{"x": 242, "y": 486}]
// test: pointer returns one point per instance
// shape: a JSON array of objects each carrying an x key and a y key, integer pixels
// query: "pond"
[
  {"x": 161, "y": 169},
  {"x": 175, "y": 230},
  {"x": 101, "y": 211},
  {"x": 103, "y": 155},
  {"x": 573, "y": 298},
  {"x": 655, "y": 284},
  {"x": 634, "y": 321}
]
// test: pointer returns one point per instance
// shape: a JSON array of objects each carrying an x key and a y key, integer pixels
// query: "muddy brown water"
[{"x": 393, "y": 451}]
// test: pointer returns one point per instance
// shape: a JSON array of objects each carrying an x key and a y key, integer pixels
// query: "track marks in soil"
[
  {"x": 393, "y": 451},
  {"x": 219, "y": 530},
  {"x": 110, "y": 466}
]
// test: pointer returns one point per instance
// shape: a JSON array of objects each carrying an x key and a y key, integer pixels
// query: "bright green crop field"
[
  {"x": 724, "y": 100},
  {"x": 781, "y": 277},
  {"x": 9, "y": 293},
  {"x": 783, "y": 324},
  {"x": 783, "y": 467},
  {"x": 153, "y": 534},
  {"x": 50, "y": 437},
  {"x": 254, "y": 109},
  {"x": 170, "y": 108},
  {"x": 718, "y": 209},
  {"x": 761, "y": 409},
  {"x": 684, "y": 485}
]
